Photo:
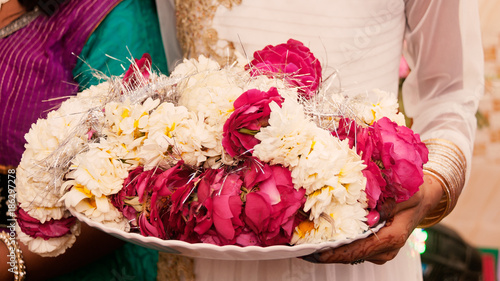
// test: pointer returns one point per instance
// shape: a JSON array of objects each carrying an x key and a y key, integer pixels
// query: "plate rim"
[{"x": 231, "y": 250}]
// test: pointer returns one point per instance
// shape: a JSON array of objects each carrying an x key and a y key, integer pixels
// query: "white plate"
[{"x": 209, "y": 251}]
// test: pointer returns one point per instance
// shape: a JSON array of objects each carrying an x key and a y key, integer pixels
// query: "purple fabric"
[{"x": 36, "y": 66}]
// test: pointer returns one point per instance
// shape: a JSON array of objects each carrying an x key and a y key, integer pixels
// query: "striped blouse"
[{"x": 36, "y": 66}]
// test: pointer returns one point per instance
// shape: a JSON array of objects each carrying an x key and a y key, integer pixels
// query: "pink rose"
[
  {"x": 403, "y": 156},
  {"x": 185, "y": 221},
  {"x": 180, "y": 220},
  {"x": 251, "y": 112},
  {"x": 150, "y": 219},
  {"x": 138, "y": 73},
  {"x": 171, "y": 190},
  {"x": 46, "y": 230},
  {"x": 138, "y": 184},
  {"x": 247, "y": 238},
  {"x": 170, "y": 180},
  {"x": 293, "y": 61},
  {"x": 148, "y": 227},
  {"x": 375, "y": 182},
  {"x": 272, "y": 204},
  {"x": 394, "y": 156},
  {"x": 219, "y": 221},
  {"x": 155, "y": 219}
]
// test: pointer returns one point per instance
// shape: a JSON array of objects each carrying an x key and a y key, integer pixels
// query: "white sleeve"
[
  {"x": 445, "y": 85},
  {"x": 166, "y": 16}
]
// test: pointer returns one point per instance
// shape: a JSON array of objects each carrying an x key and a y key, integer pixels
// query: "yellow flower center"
[
  {"x": 319, "y": 191},
  {"x": 312, "y": 146},
  {"x": 374, "y": 113},
  {"x": 83, "y": 190},
  {"x": 125, "y": 113},
  {"x": 304, "y": 228},
  {"x": 168, "y": 131},
  {"x": 136, "y": 122}
]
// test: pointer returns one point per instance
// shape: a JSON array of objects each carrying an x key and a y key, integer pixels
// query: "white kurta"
[{"x": 363, "y": 41}]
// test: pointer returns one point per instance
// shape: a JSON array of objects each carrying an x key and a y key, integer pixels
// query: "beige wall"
[{"x": 477, "y": 215}]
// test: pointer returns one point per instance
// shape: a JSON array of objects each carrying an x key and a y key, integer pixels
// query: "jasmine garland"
[{"x": 241, "y": 155}]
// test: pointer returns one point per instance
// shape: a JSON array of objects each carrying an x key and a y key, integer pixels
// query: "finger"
[
  {"x": 372, "y": 250},
  {"x": 377, "y": 262},
  {"x": 410, "y": 203},
  {"x": 378, "y": 259},
  {"x": 430, "y": 186},
  {"x": 389, "y": 208},
  {"x": 313, "y": 258},
  {"x": 389, "y": 238},
  {"x": 384, "y": 257}
]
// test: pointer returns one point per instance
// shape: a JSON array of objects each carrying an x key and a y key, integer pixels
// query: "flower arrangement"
[{"x": 261, "y": 153}]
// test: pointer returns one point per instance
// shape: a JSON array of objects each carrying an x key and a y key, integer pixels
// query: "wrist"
[
  {"x": 434, "y": 191},
  {"x": 446, "y": 166}
]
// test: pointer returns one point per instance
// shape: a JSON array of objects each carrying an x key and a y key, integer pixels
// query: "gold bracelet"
[
  {"x": 448, "y": 165},
  {"x": 18, "y": 268}
]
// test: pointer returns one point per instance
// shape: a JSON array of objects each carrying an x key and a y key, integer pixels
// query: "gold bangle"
[
  {"x": 18, "y": 268},
  {"x": 448, "y": 165}
]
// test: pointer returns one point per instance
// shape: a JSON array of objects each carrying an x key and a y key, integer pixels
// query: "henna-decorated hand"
[{"x": 385, "y": 245}]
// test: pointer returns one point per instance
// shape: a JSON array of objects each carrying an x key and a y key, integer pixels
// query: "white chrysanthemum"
[
  {"x": 319, "y": 200},
  {"x": 166, "y": 118},
  {"x": 349, "y": 219},
  {"x": 99, "y": 171},
  {"x": 339, "y": 222},
  {"x": 209, "y": 90},
  {"x": 38, "y": 190},
  {"x": 193, "y": 66},
  {"x": 47, "y": 135},
  {"x": 60, "y": 130},
  {"x": 287, "y": 137},
  {"x": 241, "y": 60},
  {"x": 123, "y": 148},
  {"x": 77, "y": 107},
  {"x": 351, "y": 177},
  {"x": 198, "y": 142},
  {"x": 174, "y": 134},
  {"x": 334, "y": 164},
  {"x": 127, "y": 121},
  {"x": 95, "y": 92},
  {"x": 51, "y": 143},
  {"x": 379, "y": 104},
  {"x": 322, "y": 164},
  {"x": 29, "y": 182},
  {"x": 51, "y": 247},
  {"x": 97, "y": 208},
  {"x": 387, "y": 105},
  {"x": 38, "y": 199},
  {"x": 331, "y": 171},
  {"x": 138, "y": 116},
  {"x": 264, "y": 83}
]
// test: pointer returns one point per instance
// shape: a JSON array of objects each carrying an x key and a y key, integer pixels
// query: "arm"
[
  {"x": 445, "y": 91},
  {"x": 441, "y": 95},
  {"x": 89, "y": 246},
  {"x": 139, "y": 35}
]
